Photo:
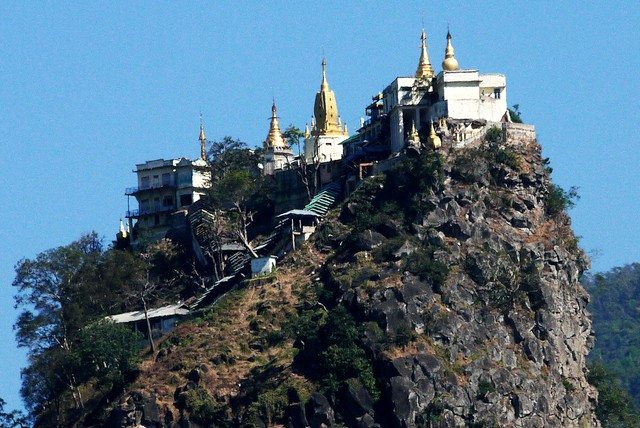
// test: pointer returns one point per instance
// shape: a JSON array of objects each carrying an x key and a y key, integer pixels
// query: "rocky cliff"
[{"x": 443, "y": 292}]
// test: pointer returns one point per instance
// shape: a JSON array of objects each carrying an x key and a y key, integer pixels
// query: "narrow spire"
[
  {"x": 307, "y": 133},
  {"x": 274, "y": 137},
  {"x": 434, "y": 140},
  {"x": 203, "y": 140},
  {"x": 424, "y": 70},
  {"x": 450, "y": 62},
  {"x": 326, "y": 120},
  {"x": 324, "y": 86}
]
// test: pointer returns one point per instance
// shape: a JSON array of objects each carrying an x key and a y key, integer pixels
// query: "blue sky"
[{"x": 89, "y": 89}]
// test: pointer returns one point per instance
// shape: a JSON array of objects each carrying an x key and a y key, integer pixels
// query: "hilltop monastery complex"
[{"x": 409, "y": 113}]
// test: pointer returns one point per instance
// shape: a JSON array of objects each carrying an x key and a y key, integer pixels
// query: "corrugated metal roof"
[
  {"x": 165, "y": 311},
  {"x": 324, "y": 199},
  {"x": 298, "y": 212}
]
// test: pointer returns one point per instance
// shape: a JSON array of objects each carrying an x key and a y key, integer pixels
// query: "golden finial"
[
  {"x": 434, "y": 140},
  {"x": 274, "y": 137},
  {"x": 324, "y": 86},
  {"x": 424, "y": 70},
  {"x": 307, "y": 133},
  {"x": 450, "y": 63},
  {"x": 203, "y": 140},
  {"x": 345, "y": 129}
]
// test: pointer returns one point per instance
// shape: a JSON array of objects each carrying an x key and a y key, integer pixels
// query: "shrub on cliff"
[{"x": 558, "y": 200}]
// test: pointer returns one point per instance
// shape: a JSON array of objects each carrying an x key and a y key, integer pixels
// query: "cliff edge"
[{"x": 443, "y": 292}]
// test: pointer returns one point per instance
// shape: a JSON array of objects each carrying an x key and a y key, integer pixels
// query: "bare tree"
[
  {"x": 293, "y": 135},
  {"x": 149, "y": 283}
]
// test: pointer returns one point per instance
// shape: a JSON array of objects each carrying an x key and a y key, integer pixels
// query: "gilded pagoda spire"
[
  {"x": 425, "y": 69},
  {"x": 434, "y": 140},
  {"x": 274, "y": 137},
  {"x": 325, "y": 109},
  {"x": 203, "y": 141},
  {"x": 450, "y": 62},
  {"x": 414, "y": 136}
]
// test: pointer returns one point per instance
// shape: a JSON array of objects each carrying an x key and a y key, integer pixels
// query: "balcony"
[
  {"x": 148, "y": 211},
  {"x": 136, "y": 190}
]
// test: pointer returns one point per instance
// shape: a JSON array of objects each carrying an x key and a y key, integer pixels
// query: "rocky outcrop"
[
  {"x": 501, "y": 341},
  {"x": 463, "y": 286}
]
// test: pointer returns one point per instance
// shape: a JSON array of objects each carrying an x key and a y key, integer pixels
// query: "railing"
[
  {"x": 147, "y": 211},
  {"x": 134, "y": 190}
]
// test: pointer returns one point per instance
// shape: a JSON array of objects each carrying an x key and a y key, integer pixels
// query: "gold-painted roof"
[
  {"x": 274, "y": 137},
  {"x": 325, "y": 109},
  {"x": 450, "y": 62},
  {"x": 425, "y": 69}
]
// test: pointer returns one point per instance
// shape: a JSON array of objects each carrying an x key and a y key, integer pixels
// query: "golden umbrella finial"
[{"x": 450, "y": 63}]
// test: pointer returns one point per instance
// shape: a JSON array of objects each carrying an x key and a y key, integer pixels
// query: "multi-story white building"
[{"x": 165, "y": 189}]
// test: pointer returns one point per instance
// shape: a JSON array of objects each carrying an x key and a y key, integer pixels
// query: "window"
[
  {"x": 156, "y": 180},
  {"x": 184, "y": 177},
  {"x": 156, "y": 220},
  {"x": 496, "y": 94},
  {"x": 144, "y": 182},
  {"x": 144, "y": 205},
  {"x": 186, "y": 200},
  {"x": 166, "y": 179},
  {"x": 167, "y": 201}
]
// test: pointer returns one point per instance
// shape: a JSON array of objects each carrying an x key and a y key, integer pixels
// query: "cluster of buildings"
[{"x": 411, "y": 112}]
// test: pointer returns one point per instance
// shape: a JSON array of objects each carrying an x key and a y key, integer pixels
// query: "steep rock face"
[
  {"x": 444, "y": 293},
  {"x": 501, "y": 341}
]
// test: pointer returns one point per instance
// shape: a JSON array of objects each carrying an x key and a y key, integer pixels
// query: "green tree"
[
  {"x": 294, "y": 136},
  {"x": 54, "y": 292},
  {"x": 615, "y": 406},
  {"x": 238, "y": 187},
  {"x": 155, "y": 273},
  {"x": 515, "y": 113},
  {"x": 614, "y": 303},
  {"x": 558, "y": 200},
  {"x": 12, "y": 418},
  {"x": 60, "y": 293},
  {"x": 106, "y": 352}
]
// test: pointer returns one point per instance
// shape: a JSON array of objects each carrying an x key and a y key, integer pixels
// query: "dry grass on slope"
[{"x": 228, "y": 342}]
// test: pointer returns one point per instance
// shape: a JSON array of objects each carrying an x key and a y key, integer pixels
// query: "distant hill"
[{"x": 615, "y": 306}]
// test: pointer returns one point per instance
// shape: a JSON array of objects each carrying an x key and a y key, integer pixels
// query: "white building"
[
  {"x": 165, "y": 188},
  {"x": 322, "y": 143},
  {"x": 455, "y": 93}
]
